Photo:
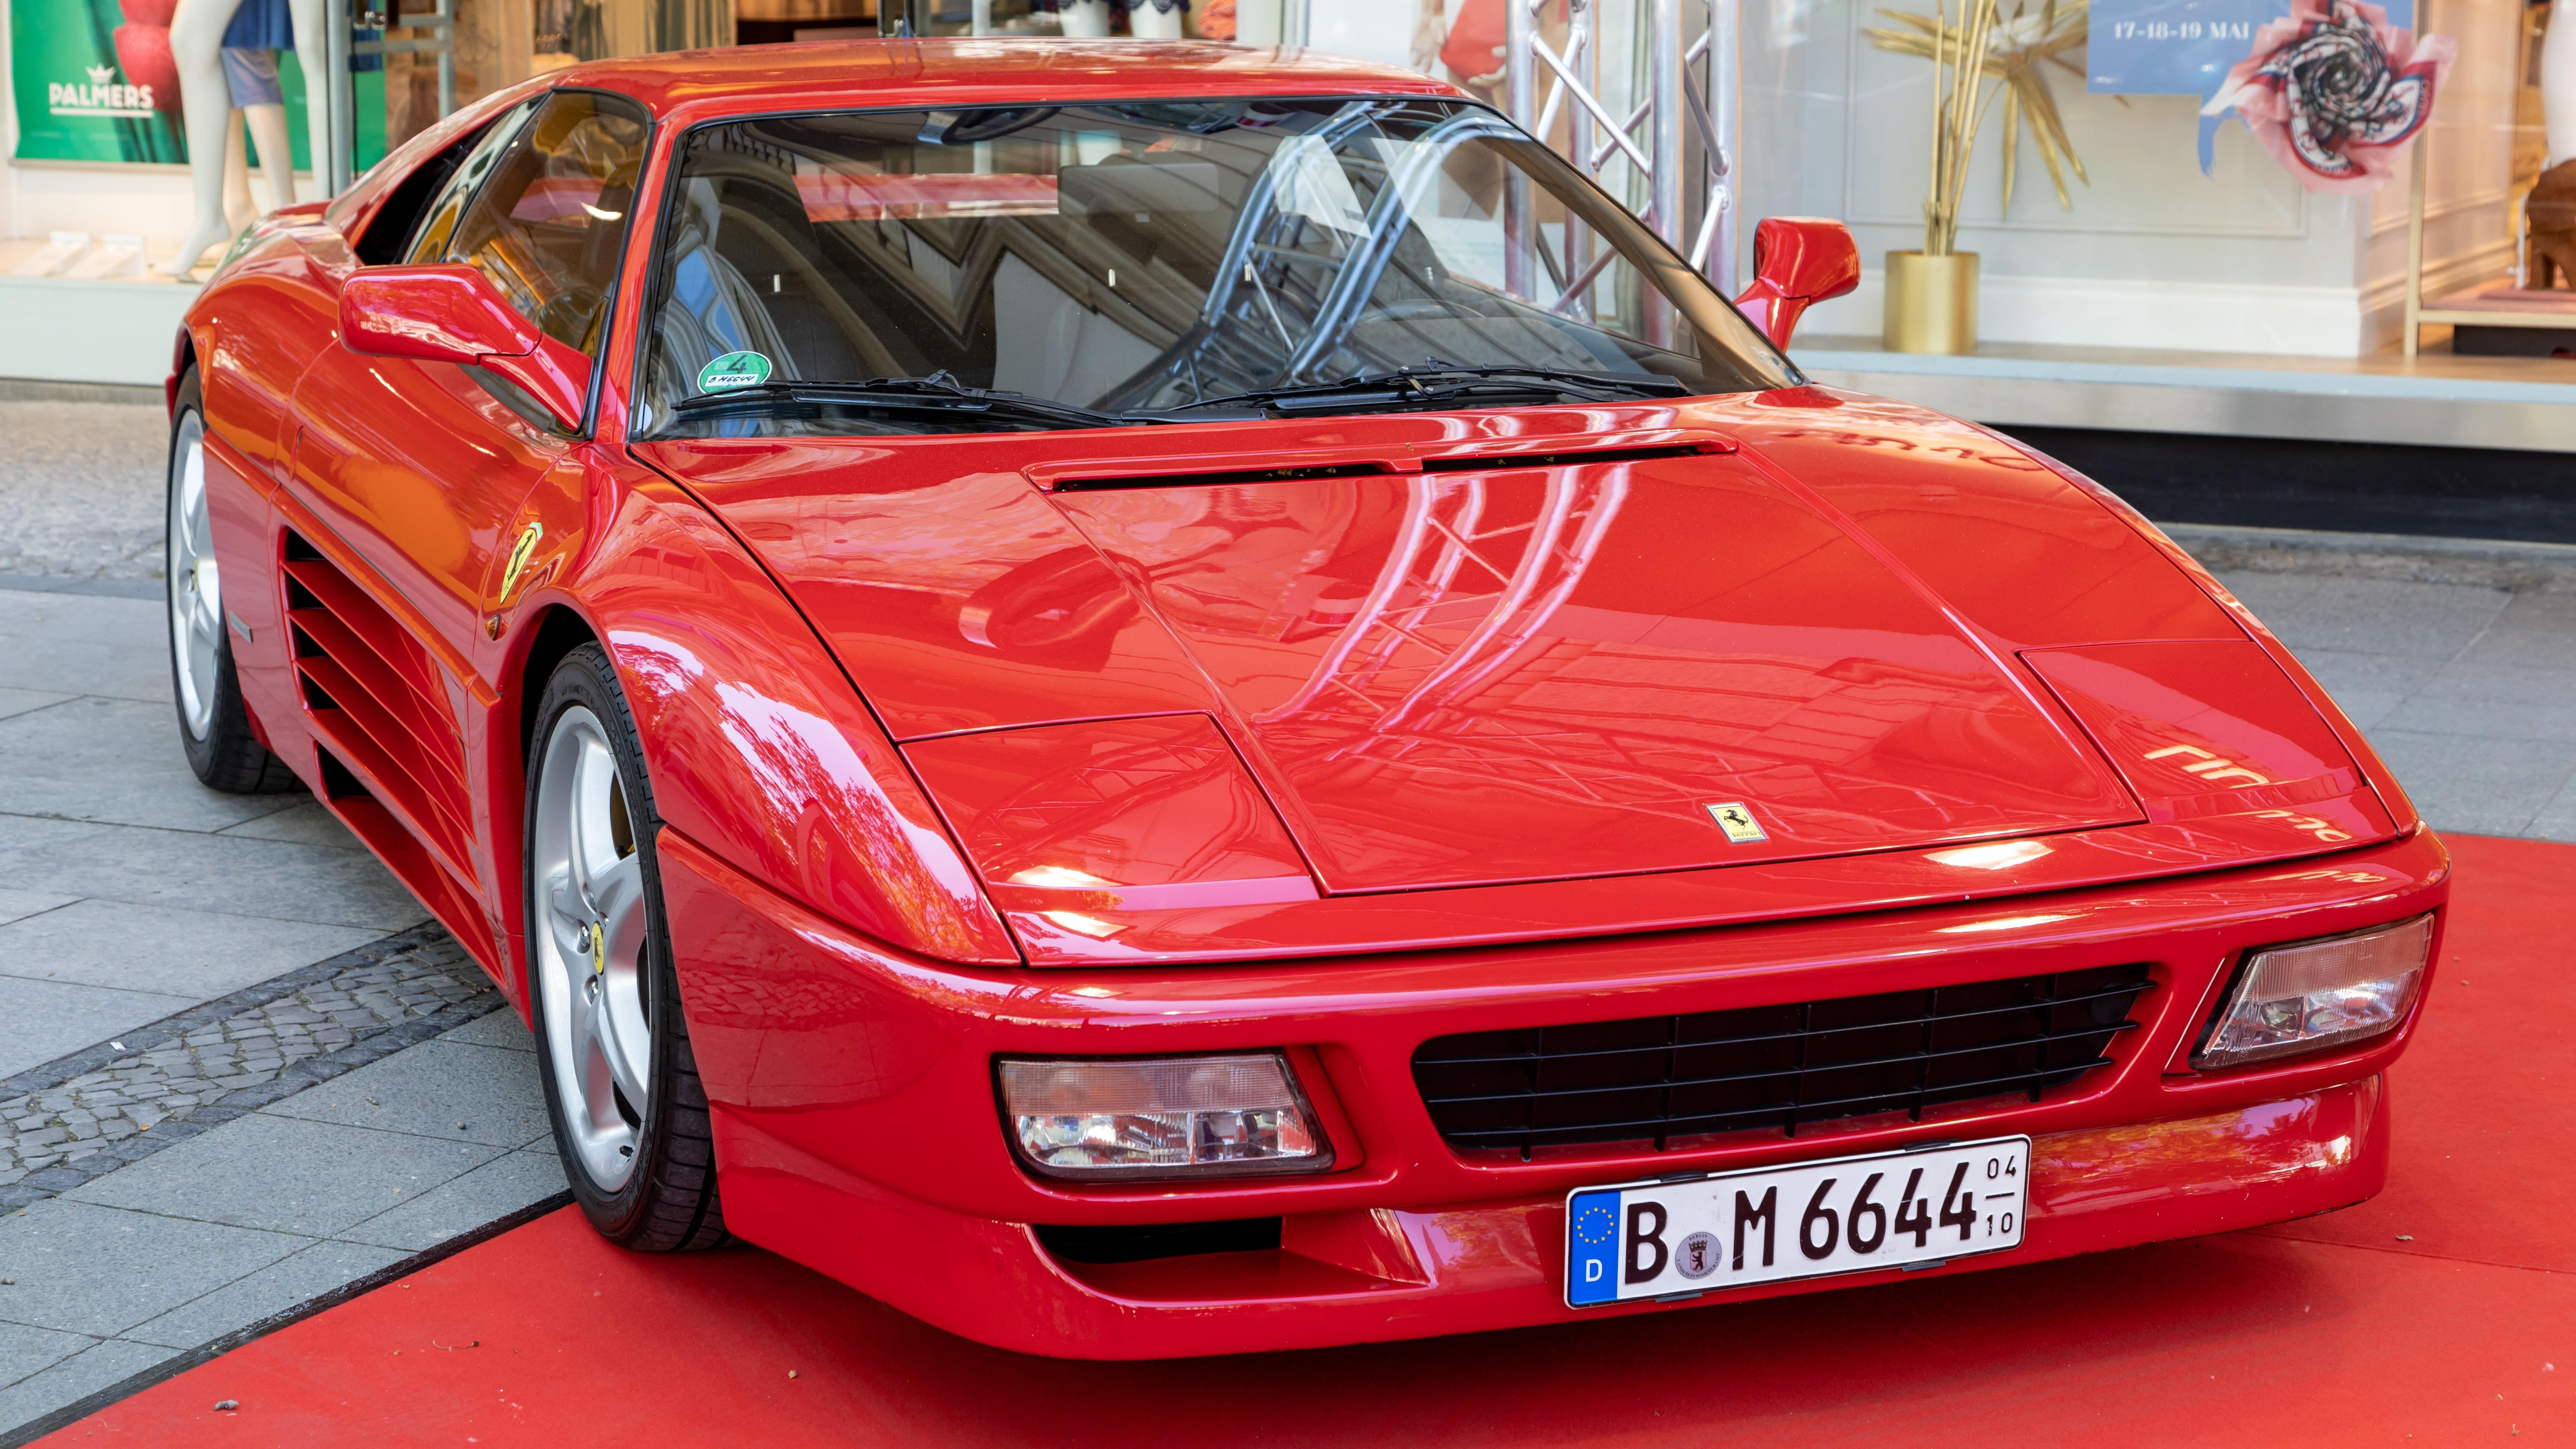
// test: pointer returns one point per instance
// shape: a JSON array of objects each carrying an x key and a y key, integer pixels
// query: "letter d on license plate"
[{"x": 1804, "y": 1220}]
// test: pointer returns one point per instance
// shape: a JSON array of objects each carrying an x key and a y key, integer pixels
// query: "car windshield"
[{"x": 1037, "y": 267}]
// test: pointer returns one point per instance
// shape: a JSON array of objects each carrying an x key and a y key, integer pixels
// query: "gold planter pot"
[{"x": 1931, "y": 302}]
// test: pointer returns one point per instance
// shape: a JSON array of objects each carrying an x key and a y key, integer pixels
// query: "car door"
[{"x": 409, "y": 478}]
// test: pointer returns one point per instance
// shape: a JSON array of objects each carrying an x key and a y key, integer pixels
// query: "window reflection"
[{"x": 1151, "y": 256}]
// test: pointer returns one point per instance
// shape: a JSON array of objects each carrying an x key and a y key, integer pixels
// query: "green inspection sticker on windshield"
[{"x": 734, "y": 369}]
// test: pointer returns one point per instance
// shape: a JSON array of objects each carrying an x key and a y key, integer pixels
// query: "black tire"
[
  {"x": 668, "y": 1203},
  {"x": 228, "y": 755}
]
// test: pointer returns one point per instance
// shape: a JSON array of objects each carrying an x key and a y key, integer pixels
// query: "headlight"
[
  {"x": 2311, "y": 995},
  {"x": 1125, "y": 1118}
]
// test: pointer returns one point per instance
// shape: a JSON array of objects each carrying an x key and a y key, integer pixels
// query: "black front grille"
[{"x": 1664, "y": 1077}]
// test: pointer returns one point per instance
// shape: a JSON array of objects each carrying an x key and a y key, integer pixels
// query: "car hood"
[{"x": 1485, "y": 648}]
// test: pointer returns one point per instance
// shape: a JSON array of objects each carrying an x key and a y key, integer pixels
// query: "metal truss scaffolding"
[{"x": 1676, "y": 144}]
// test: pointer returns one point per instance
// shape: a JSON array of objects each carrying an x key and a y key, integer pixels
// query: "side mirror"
[
  {"x": 454, "y": 314},
  {"x": 1798, "y": 261}
]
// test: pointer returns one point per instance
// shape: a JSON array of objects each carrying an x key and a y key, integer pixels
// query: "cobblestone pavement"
[
  {"x": 81, "y": 490},
  {"x": 213, "y": 1062}
]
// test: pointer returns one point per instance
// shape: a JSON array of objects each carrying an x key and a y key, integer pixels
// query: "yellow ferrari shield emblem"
[{"x": 1737, "y": 822}]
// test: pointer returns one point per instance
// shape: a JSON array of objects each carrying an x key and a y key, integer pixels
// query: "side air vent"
[
  {"x": 401, "y": 851},
  {"x": 374, "y": 700}
]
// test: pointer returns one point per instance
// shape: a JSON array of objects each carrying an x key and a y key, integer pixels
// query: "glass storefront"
[
  {"x": 2106, "y": 208},
  {"x": 2134, "y": 180}
]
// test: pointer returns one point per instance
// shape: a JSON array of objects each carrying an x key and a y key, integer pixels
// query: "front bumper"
[{"x": 857, "y": 1133}]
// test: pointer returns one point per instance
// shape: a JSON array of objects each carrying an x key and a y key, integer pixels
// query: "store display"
[
  {"x": 1156, "y": 19},
  {"x": 2027, "y": 44},
  {"x": 2558, "y": 93},
  {"x": 2333, "y": 90},
  {"x": 259, "y": 30},
  {"x": 1212, "y": 19},
  {"x": 2550, "y": 212},
  {"x": 198, "y": 31},
  {"x": 1472, "y": 50},
  {"x": 1084, "y": 19},
  {"x": 1932, "y": 294},
  {"x": 143, "y": 51}
]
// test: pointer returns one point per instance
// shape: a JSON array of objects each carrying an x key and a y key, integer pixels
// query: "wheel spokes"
[
  {"x": 593, "y": 851},
  {"x": 205, "y": 634},
  {"x": 624, "y": 1040},
  {"x": 201, "y": 543},
  {"x": 565, "y": 918},
  {"x": 593, "y": 1064},
  {"x": 593, "y": 941},
  {"x": 196, "y": 598},
  {"x": 617, "y": 903}
]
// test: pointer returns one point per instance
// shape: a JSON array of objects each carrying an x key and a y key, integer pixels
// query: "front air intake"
[{"x": 1660, "y": 1078}]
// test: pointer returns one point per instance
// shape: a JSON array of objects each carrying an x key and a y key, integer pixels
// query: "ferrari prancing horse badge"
[
  {"x": 519, "y": 552},
  {"x": 1737, "y": 822}
]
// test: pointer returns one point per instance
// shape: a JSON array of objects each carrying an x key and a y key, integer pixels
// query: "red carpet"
[{"x": 2329, "y": 1332}]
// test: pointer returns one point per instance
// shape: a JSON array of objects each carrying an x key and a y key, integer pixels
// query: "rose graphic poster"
[
  {"x": 2334, "y": 90},
  {"x": 2328, "y": 87}
]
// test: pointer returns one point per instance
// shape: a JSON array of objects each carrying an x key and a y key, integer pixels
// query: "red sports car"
[{"x": 1166, "y": 700}]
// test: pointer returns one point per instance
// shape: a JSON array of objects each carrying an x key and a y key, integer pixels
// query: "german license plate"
[{"x": 1807, "y": 1220}]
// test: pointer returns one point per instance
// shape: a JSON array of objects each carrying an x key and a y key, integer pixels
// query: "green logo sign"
[
  {"x": 734, "y": 369},
  {"x": 94, "y": 84}
]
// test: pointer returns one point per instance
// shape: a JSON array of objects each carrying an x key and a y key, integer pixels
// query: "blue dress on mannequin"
[
  {"x": 261, "y": 25},
  {"x": 258, "y": 31}
]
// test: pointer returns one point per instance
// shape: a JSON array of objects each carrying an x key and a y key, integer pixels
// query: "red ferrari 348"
[{"x": 1164, "y": 700}]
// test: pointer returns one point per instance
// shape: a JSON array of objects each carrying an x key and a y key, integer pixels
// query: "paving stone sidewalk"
[
  {"x": 77, "y": 1121},
  {"x": 80, "y": 488},
  {"x": 139, "y": 1267},
  {"x": 237, "y": 1069},
  {"x": 2457, "y": 659}
]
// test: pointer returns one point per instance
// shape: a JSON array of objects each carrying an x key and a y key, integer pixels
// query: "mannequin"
[
  {"x": 276, "y": 164},
  {"x": 1154, "y": 20},
  {"x": 197, "y": 48},
  {"x": 239, "y": 210},
  {"x": 251, "y": 42}
]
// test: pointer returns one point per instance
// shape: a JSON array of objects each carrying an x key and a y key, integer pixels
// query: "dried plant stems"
[
  {"x": 1956, "y": 114},
  {"x": 2026, "y": 45}
]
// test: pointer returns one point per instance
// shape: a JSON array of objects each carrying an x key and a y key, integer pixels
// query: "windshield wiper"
[
  {"x": 936, "y": 393},
  {"x": 1443, "y": 382}
]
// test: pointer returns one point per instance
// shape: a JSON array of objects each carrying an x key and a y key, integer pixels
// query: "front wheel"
[
  {"x": 214, "y": 727},
  {"x": 613, "y": 1047}
]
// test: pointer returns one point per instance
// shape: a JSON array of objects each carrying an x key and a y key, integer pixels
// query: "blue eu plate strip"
[{"x": 1592, "y": 1233}]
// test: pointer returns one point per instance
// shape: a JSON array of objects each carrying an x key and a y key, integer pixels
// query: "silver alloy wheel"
[
  {"x": 196, "y": 594},
  {"x": 590, "y": 939}
]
